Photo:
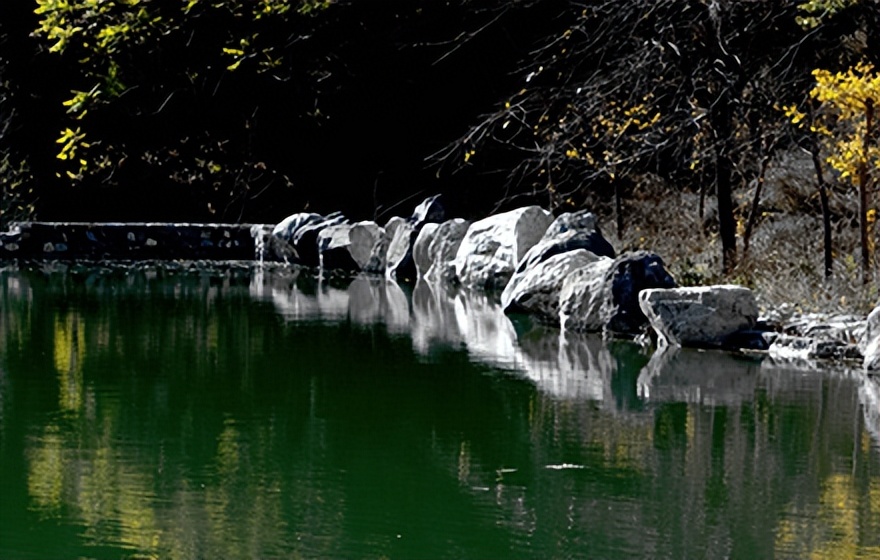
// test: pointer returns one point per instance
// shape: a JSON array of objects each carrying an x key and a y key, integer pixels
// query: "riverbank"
[{"x": 559, "y": 271}]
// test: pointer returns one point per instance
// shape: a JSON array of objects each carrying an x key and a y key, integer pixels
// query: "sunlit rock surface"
[
  {"x": 492, "y": 247},
  {"x": 379, "y": 252},
  {"x": 400, "y": 265},
  {"x": 536, "y": 289},
  {"x": 428, "y": 211},
  {"x": 581, "y": 297},
  {"x": 436, "y": 247},
  {"x": 702, "y": 317}
]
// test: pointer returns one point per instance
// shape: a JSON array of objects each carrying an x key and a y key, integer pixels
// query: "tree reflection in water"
[{"x": 239, "y": 415}]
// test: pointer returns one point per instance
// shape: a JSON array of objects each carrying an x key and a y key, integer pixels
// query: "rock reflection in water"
[
  {"x": 686, "y": 375},
  {"x": 869, "y": 396},
  {"x": 364, "y": 300},
  {"x": 374, "y": 299},
  {"x": 565, "y": 365}
]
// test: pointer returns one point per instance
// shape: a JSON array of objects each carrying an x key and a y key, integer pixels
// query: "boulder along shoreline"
[{"x": 560, "y": 271}]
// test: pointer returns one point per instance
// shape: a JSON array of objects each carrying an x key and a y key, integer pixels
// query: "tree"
[
  {"x": 847, "y": 126},
  {"x": 682, "y": 90}
]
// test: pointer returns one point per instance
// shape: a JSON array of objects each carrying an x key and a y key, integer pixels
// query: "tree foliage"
[
  {"x": 250, "y": 110},
  {"x": 683, "y": 91}
]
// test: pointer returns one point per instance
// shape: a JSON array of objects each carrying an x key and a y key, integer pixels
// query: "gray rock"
[
  {"x": 399, "y": 258},
  {"x": 379, "y": 252},
  {"x": 871, "y": 342},
  {"x": 492, "y": 247},
  {"x": 421, "y": 248},
  {"x": 536, "y": 290},
  {"x": 582, "y": 295},
  {"x": 604, "y": 296},
  {"x": 701, "y": 317},
  {"x": 435, "y": 248},
  {"x": 568, "y": 232}
]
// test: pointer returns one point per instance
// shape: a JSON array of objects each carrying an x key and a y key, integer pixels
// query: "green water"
[{"x": 162, "y": 414}]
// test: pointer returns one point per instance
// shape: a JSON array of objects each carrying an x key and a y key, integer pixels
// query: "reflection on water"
[{"x": 275, "y": 414}]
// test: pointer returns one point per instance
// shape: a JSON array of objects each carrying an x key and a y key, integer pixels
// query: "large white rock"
[
  {"x": 701, "y": 317},
  {"x": 492, "y": 247},
  {"x": 421, "y": 251},
  {"x": 871, "y": 341},
  {"x": 399, "y": 261},
  {"x": 536, "y": 289},
  {"x": 582, "y": 295},
  {"x": 435, "y": 248},
  {"x": 379, "y": 253},
  {"x": 362, "y": 237}
]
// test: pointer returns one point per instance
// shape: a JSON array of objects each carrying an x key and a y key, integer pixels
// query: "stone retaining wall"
[{"x": 131, "y": 241}]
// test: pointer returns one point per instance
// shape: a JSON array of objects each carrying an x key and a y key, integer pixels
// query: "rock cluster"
[
  {"x": 563, "y": 272},
  {"x": 558, "y": 271}
]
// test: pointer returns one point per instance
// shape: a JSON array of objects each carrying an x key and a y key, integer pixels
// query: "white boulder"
[
  {"x": 536, "y": 289},
  {"x": 492, "y": 247}
]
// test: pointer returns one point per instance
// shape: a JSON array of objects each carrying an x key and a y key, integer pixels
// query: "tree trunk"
[
  {"x": 756, "y": 202},
  {"x": 618, "y": 207},
  {"x": 826, "y": 211},
  {"x": 726, "y": 221}
]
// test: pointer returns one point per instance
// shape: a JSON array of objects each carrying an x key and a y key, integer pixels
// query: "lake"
[{"x": 171, "y": 413}]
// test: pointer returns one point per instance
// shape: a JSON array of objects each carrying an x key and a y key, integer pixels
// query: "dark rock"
[
  {"x": 305, "y": 240},
  {"x": 428, "y": 211},
  {"x": 630, "y": 274}
]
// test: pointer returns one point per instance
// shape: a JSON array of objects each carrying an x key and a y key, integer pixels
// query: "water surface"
[{"x": 171, "y": 414}]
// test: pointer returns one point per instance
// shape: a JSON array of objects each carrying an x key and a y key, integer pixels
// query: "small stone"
[{"x": 48, "y": 247}]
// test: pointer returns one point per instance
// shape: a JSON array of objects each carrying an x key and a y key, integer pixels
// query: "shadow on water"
[{"x": 275, "y": 414}]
